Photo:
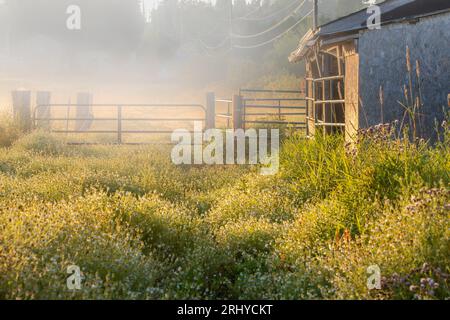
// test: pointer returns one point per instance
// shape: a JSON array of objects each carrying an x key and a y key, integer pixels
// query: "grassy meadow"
[{"x": 140, "y": 227}]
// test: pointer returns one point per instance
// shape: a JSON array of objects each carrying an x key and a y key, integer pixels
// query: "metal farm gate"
[
  {"x": 269, "y": 108},
  {"x": 256, "y": 108},
  {"x": 116, "y": 118}
]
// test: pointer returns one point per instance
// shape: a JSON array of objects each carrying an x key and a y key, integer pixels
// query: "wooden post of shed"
[
  {"x": 237, "y": 112},
  {"x": 352, "y": 102},
  {"x": 210, "y": 110},
  {"x": 21, "y": 109},
  {"x": 43, "y": 109}
]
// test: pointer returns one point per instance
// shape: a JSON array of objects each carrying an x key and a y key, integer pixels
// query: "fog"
[{"x": 168, "y": 50}]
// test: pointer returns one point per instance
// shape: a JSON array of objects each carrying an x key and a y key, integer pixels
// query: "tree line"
[{"x": 226, "y": 36}]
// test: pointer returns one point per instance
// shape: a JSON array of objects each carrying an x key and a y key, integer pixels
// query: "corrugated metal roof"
[
  {"x": 358, "y": 20},
  {"x": 391, "y": 11}
]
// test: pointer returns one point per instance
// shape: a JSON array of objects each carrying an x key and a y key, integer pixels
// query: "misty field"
[{"x": 140, "y": 227}]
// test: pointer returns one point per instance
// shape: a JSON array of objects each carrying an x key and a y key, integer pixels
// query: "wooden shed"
[{"x": 356, "y": 76}]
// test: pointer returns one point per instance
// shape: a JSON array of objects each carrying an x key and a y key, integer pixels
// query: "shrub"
[
  {"x": 9, "y": 132},
  {"x": 41, "y": 143}
]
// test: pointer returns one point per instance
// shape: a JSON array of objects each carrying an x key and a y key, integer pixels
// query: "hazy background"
[{"x": 134, "y": 50}]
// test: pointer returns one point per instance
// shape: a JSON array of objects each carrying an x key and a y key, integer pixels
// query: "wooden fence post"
[
  {"x": 21, "y": 109},
  {"x": 84, "y": 111},
  {"x": 43, "y": 112},
  {"x": 210, "y": 110},
  {"x": 237, "y": 112}
]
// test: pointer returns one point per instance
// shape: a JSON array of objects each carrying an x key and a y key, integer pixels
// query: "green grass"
[
  {"x": 140, "y": 227},
  {"x": 9, "y": 131}
]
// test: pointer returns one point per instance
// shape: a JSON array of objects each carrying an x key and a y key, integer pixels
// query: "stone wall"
[{"x": 383, "y": 63}]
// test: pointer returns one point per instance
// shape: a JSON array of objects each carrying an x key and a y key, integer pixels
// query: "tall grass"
[
  {"x": 142, "y": 228},
  {"x": 9, "y": 131}
]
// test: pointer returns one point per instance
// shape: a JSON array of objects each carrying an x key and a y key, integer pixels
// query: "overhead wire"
[
  {"x": 231, "y": 35},
  {"x": 245, "y": 16},
  {"x": 277, "y": 37},
  {"x": 234, "y": 35},
  {"x": 270, "y": 16}
]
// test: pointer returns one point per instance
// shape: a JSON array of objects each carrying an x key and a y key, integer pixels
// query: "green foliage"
[
  {"x": 140, "y": 227},
  {"x": 41, "y": 143},
  {"x": 247, "y": 236},
  {"x": 9, "y": 132}
]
